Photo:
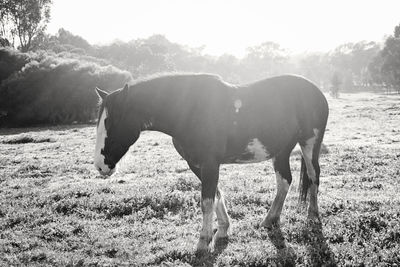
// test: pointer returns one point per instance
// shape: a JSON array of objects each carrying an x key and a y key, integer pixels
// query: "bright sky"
[{"x": 229, "y": 26}]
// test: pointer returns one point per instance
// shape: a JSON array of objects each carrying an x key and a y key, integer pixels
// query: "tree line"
[
  {"x": 156, "y": 54},
  {"x": 48, "y": 78}
]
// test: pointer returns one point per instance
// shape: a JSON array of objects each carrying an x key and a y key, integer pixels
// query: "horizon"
[{"x": 223, "y": 27}]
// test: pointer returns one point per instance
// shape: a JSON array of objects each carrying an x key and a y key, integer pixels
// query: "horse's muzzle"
[{"x": 105, "y": 171}]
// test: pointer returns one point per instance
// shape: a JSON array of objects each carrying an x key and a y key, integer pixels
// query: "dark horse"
[{"x": 214, "y": 123}]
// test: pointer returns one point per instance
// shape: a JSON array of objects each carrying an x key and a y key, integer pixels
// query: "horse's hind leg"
[
  {"x": 310, "y": 150},
  {"x": 283, "y": 181}
]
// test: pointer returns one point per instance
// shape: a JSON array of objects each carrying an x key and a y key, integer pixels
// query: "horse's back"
[
  {"x": 287, "y": 88},
  {"x": 288, "y": 96},
  {"x": 278, "y": 112}
]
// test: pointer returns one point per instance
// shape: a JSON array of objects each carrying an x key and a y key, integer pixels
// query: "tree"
[
  {"x": 316, "y": 67},
  {"x": 7, "y": 33},
  {"x": 66, "y": 37},
  {"x": 391, "y": 63},
  {"x": 336, "y": 82},
  {"x": 352, "y": 60},
  {"x": 397, "y": 31},
  {"x": 227, "y": 66},
  {"x": 264, "y": 60},
  {"x": 24, "y": 19},
  {"x": 63, "y": 41},
  {"x": 4, "y": 42},
  {"x": 385, "y": 68},
  {"x": 375, "y": 76}
]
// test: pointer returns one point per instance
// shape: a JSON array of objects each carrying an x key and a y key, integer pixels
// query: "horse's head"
[{"x": 117, "y": 129}]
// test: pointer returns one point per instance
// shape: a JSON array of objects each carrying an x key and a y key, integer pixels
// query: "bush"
[
  {"x": 51, "y": 88},
  {"x": 10, "y": 62}
]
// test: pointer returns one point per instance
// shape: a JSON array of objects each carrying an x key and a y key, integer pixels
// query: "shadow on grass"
[
  {"x": 285, "y": 255},
  {"x": 209, "y": 259},
  {"x": 177, "y": 256},
  {"x": 318, "y": 251}
]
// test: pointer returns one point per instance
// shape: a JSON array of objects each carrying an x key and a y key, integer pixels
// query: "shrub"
[
  {"x": 52, "y": 89},
  {"x": 10, "y": 62}
]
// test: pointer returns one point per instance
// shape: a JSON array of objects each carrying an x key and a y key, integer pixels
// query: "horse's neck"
[
  {"x": 170, "y": 109},
  {"x": 154, "y": 106}
]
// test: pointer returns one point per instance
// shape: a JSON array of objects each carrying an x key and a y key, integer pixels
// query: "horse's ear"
[
  {"x": 124, "y": 90},
  {"x": 102, "y": 94}
]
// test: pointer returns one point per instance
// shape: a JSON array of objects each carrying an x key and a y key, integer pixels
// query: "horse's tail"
[{"x": 304, "y": 183}]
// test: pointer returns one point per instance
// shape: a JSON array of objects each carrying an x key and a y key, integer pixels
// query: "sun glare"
[{"x": 229, "y": 26}]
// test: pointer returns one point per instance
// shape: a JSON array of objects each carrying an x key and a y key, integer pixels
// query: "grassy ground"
[{"x": 56, "y": 210}]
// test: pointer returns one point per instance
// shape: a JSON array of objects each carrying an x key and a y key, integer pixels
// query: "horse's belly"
[{"x": 253, "y": 152}]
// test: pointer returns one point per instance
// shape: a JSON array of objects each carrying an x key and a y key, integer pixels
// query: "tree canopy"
[
  {"x": 23, "y": 19},
  {"x": 385, "y": 67}
]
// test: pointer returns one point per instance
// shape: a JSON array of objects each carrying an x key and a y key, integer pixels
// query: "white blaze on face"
[{"x": 100, "y": 142}]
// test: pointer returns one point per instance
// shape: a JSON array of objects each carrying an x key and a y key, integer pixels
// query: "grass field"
[{"x": 56, "y": 210}]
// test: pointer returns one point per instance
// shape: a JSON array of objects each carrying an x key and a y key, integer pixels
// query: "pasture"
[{"x": 56, "y": 210}]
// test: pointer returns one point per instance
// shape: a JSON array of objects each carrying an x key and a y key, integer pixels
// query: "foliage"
[
  {"x": 385, "y": 67},
  {"x": 48, "y": 88},
  {"x": 391, "y": 62},
  {"x": 63, "y": 41},
  {"x": 316, "y": 67},
  {"x": 143, "y": 57},
  {"x": 24, "y": 19},
  {"x": 11, "y": 61},
  {"x": 375, "y": 69},
  {"x": 336, "y": 83},
  {"x": 397, "y": 31},
  {"x": 7, "y": 33},
  {"x": 352, "y": 59},
  {"x": 265, "y": 60}
]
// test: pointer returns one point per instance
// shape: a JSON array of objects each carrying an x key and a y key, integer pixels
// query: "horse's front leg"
[{"x": 209, "y": 182}]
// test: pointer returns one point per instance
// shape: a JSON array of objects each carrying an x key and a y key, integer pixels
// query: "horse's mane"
[
  {"x": 158, "y": 77},
  {"x": 163, "y": 75}
]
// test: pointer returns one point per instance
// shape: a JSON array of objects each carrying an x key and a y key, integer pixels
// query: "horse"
[{"x": 211, "y": 123}]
